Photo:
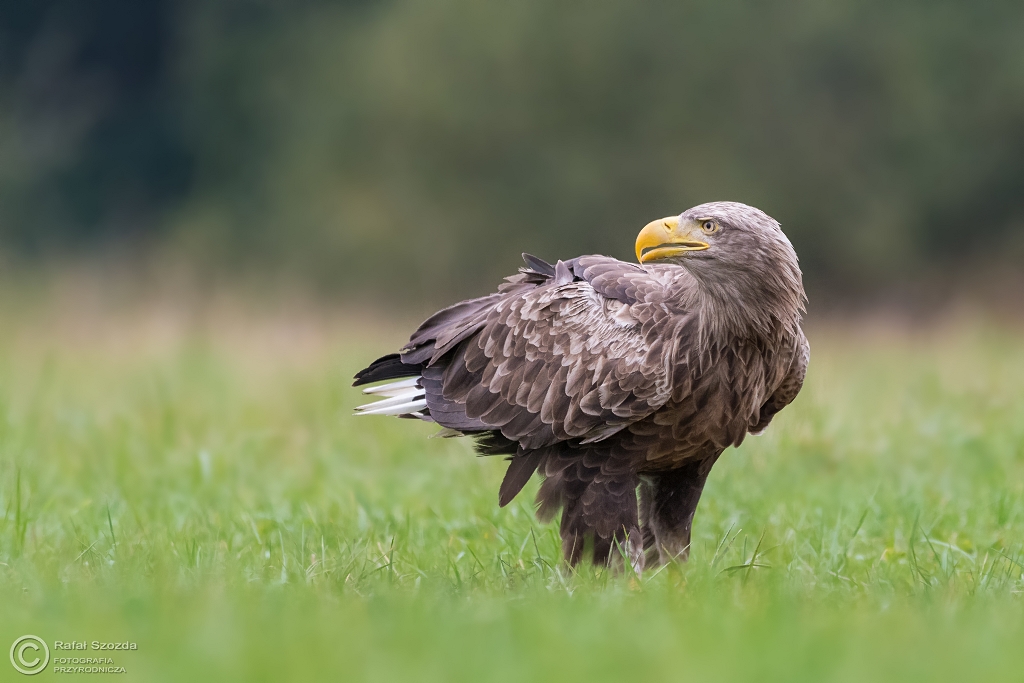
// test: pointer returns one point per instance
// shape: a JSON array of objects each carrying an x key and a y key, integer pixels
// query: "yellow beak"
[{"x": 664, "y": 238}]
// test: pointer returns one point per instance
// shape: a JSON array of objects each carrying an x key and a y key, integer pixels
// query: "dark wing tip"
[{"x": 385, "y": 367}]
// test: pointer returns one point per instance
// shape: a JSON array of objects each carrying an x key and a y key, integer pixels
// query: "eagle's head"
[{"x": 738, "y": 253}]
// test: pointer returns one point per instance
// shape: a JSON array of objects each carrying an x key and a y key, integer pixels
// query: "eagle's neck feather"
[{"x": 743, "y": 305}]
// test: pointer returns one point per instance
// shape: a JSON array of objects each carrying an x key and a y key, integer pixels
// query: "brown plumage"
[{"x": 607, "y": 377}]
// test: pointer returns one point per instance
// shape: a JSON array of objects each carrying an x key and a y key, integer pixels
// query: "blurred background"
[
  {"x": 214, "y": 212},
  {"x": 409, "y": 151}
]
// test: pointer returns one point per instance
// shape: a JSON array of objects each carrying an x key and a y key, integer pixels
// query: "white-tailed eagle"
[{"x": 607, "y": 377}]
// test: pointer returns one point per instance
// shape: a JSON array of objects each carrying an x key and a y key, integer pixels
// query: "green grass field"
[{"x": 196, "y": 484}]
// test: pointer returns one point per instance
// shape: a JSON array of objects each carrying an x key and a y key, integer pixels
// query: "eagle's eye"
[{"x": 709, "y": 227}]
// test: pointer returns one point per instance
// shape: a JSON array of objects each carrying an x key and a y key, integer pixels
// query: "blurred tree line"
[{"x": 415, "y": 148}]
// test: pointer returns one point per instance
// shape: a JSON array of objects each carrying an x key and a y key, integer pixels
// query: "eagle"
[{"x": 621, "y": 384}]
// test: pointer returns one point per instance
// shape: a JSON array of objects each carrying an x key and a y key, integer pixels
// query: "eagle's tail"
[{"x": 405, "y": 398}]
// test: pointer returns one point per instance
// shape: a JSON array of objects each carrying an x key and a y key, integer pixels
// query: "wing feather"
[
  {"x": 571, "y": 351},
  {"x": 790, "y": 386}
]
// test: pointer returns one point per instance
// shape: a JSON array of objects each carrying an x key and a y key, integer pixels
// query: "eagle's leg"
[
  {"x": 668, "y": 501},
  {"x": 599, "y": 516}
]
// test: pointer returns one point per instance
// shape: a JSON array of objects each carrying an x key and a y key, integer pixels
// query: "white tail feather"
[
  {"x": 401, "y": 409},
  {"x": 392, "y": 388},
  {"x": 396, "y": 400}
]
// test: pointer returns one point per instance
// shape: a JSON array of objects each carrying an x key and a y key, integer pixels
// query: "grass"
[{"x": 196, "y": 485}]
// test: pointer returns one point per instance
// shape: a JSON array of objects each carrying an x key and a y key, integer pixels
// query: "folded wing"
[{"x": 574, "y": 351}]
